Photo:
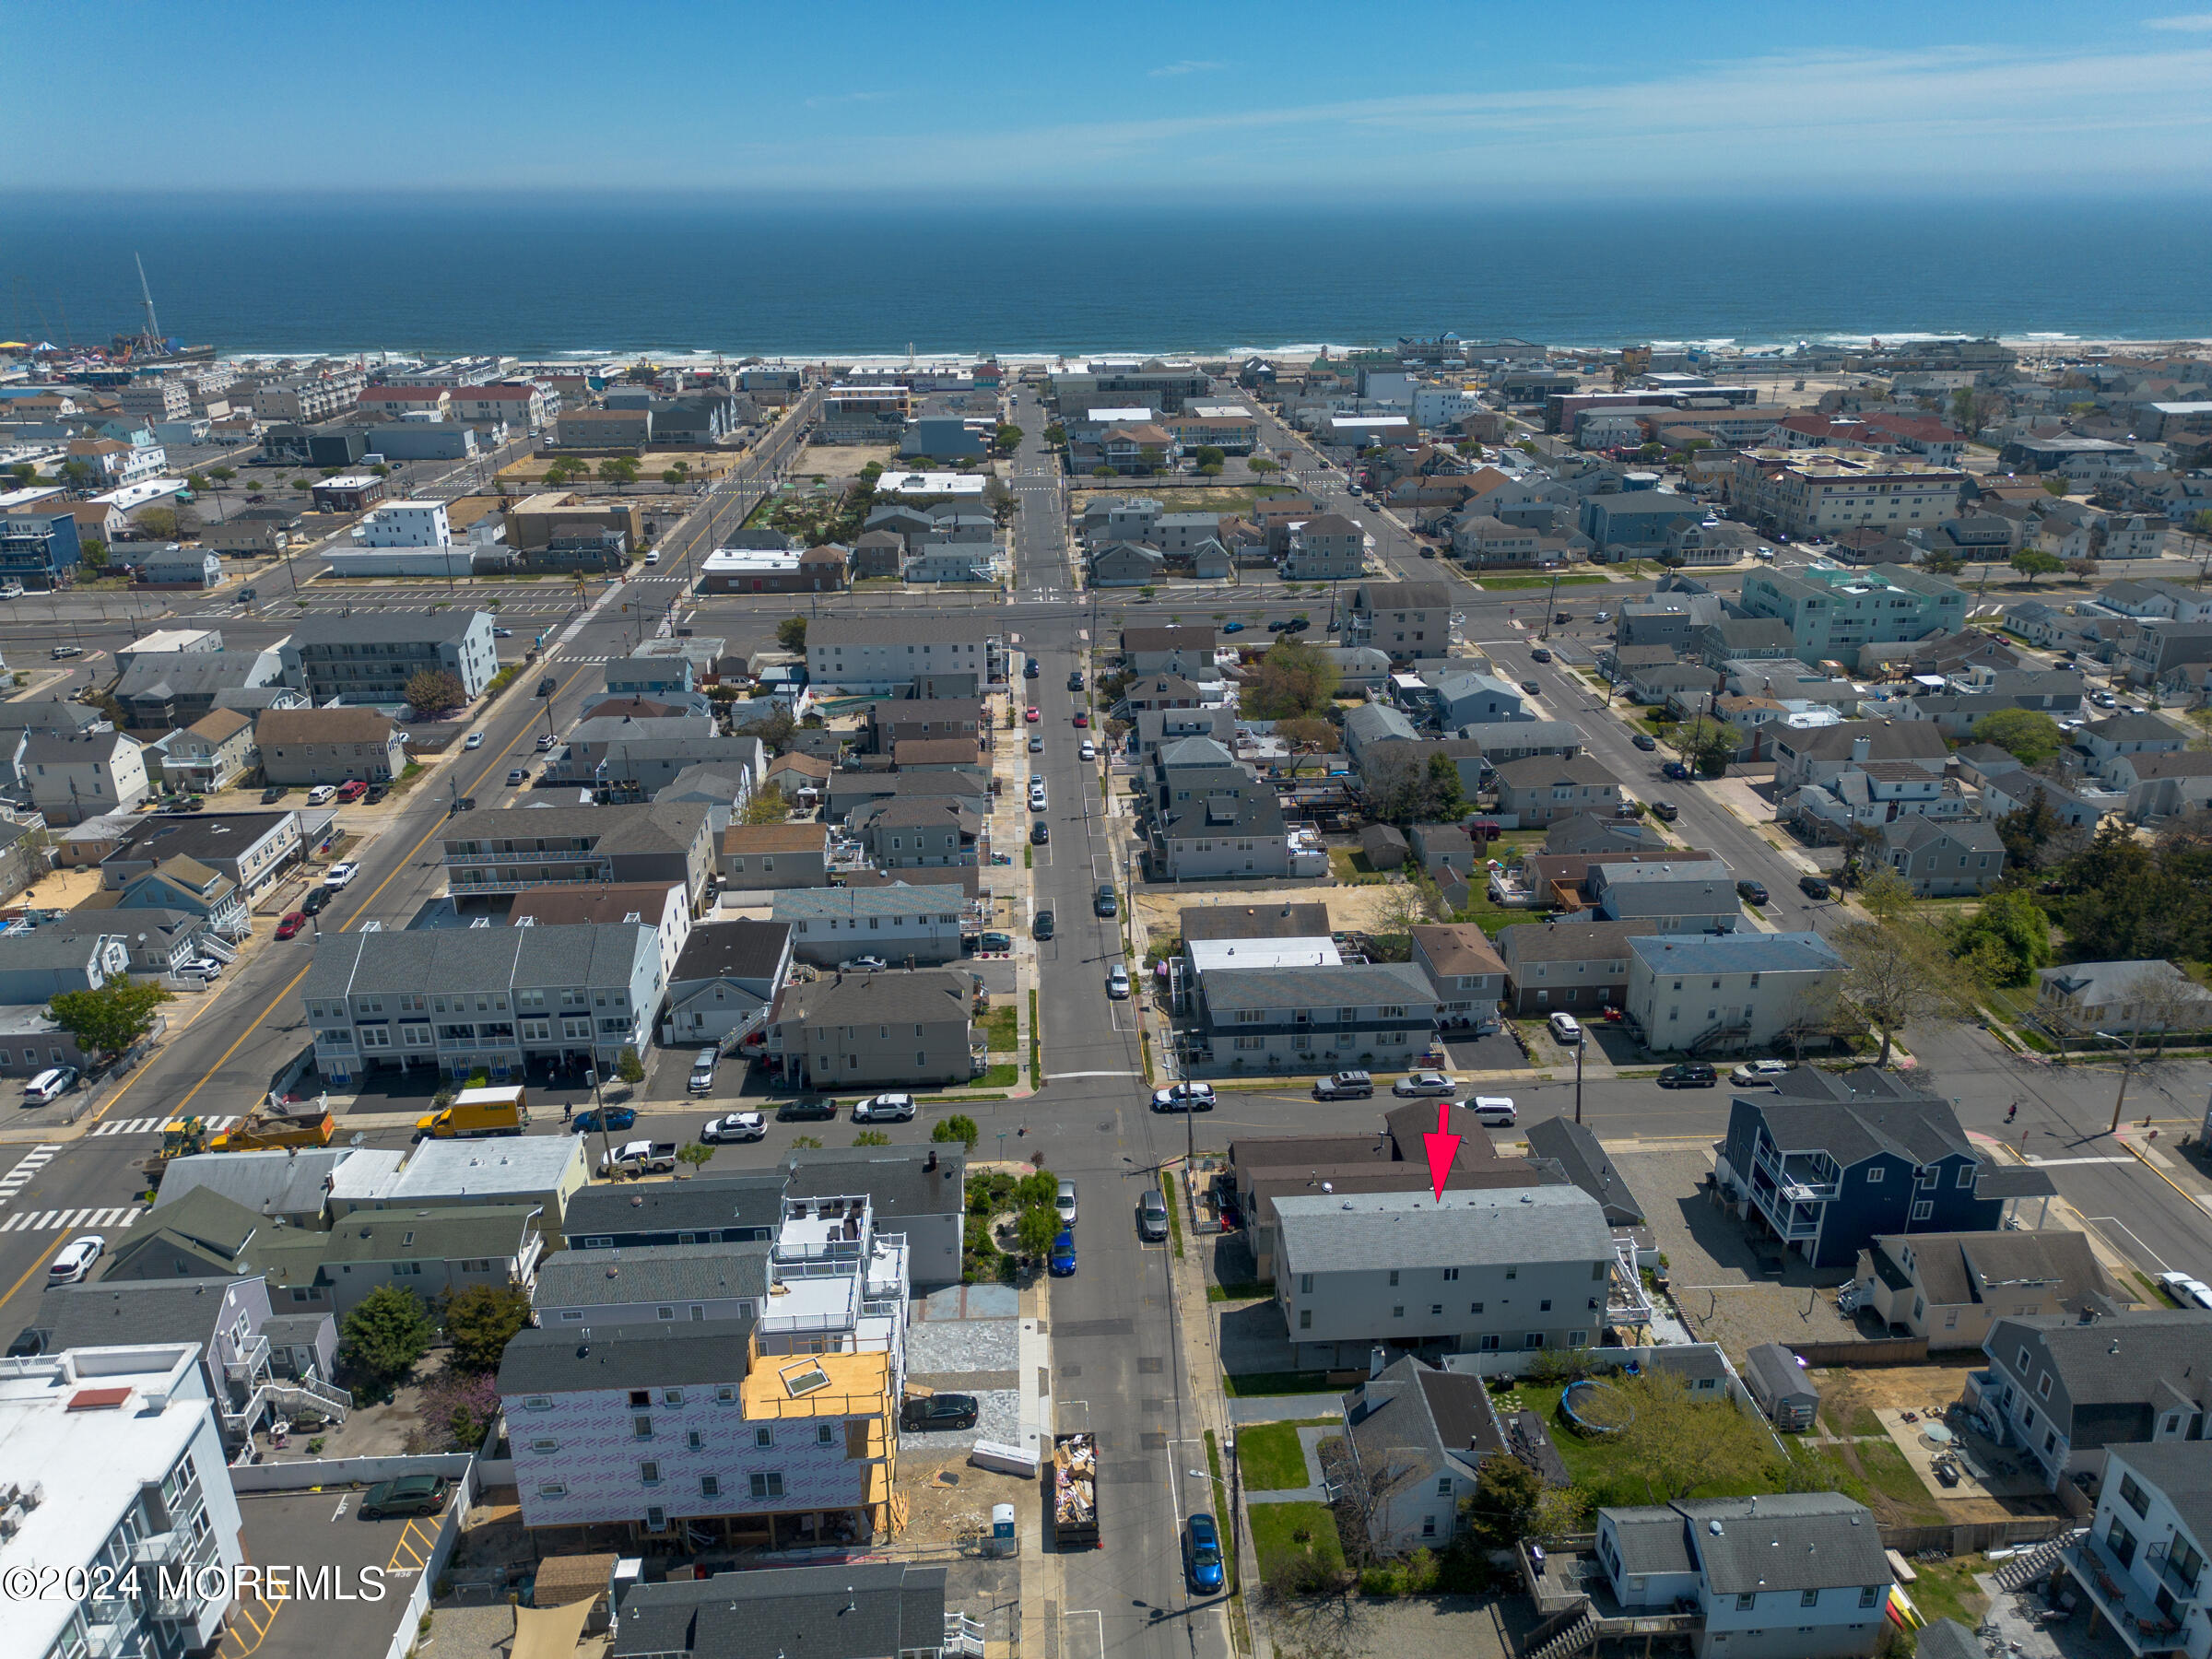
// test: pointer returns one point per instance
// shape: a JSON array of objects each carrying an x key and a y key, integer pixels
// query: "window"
[
  {"x": 1305, "y": 1284},
  {"x": 710, "y": 1486},
  {"x": 824, "y": 1434},
  {"x": 552, "y": 1488},
  {"x": 1436, "y": 1310},
  {"x": 1869, "y": 1595},
  {"x": 2042, "y": 1388},
  {"x": 1428, "y": 1526},
  {"x": 2135, "y": 1496},
  {"x": 768, "y": 1484},
  {"x": 1451, "y": 1274},
  {"x": 1808, "y": 1598},
  {"x": 1305, "y": 1319},
  {"x": 1744, "y": 1603},
  {"x": 545, "y": 1447},
  {"x": 640, "y": 1427},
  {"x": 1544, "y": 1306},
  {"x": 1394, "y": 1275},
  {"x": 650, "y": 1473},
  {"x": 764, "y": 1436},
  {"x": 1922, "y": 1210},
  {"x": 1398, "y": 1312},
  {"x": 1535, "y": 1340},
  {"x": 1474, "y": 1306},
  {"x": 1875, "y": 1175}
]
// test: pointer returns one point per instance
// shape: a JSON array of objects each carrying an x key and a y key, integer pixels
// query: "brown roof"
[
  {"x": 774, "y": 838},
  {"x": 222, "y": 723},
  {"x": 323, "y": 725},
  {"x": 1233, "y": 920},
  {"x": 559, "y": 907},
  {"x": 1459, "y": 947},
  {"x": 927, "y": 751},
  {"x": 813, "y": 765},
  {"x": 1570, "y": 941}
]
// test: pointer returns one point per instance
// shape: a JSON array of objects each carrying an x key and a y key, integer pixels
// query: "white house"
[
  {"x": 2141, "y": 1563},
  {"x": 1692, "y": 993},
  {"x": 888, "y": 653}
]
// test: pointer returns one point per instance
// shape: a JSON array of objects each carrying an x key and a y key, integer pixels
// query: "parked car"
[
  {"x": 1495, "y": 1111},
  {"x": 50, "y": 1086},
  {"x": 1041, "y": 833},
  {"x": 609, "y": 1118},
  {"x": 1424, "y": 1083},
  {"x": 995, "y": 941},
  {"x": 1531, "y": 687},
  {"x": 1345, "y": 1086},
  {"x": 1152, "y": 1216},
  {"x": 1185, "y": 1096},
  {"x": 377, "y": 791},
  {"x": 517, "y": 776},
  {"x": 410, "y": 1495},
  {"x": 313, "y": 901},
  {"x": 1036, "y": 743},
  {"x": 1232, "y": 627},
  {"x": 1644, "y": 740},
  {"x": 1032, "y": 669},
  {"x": 1566, "y": 1030},
  {"x": 1814, "y": 887},
  {"x": 1541, "y": 653},
  {"x": 885, "y": 1109},
  {"x": 1030, "y": 714},
  {"x": 2189, "y": 1292},
  {"x": 1689, "y": 1074},
  {"x": 1062, "y": 1262},
  {"x": 75, "y": 1259},
  {"x": 1043, "y": 927},
  {"x": 352, "y": 790},
  {"x": 1666, "y": 812},
  {"x": 1296, "y": 625},
  {"x": 1082, "y": 718},
  {"x": 1075, "y": 680},
  {"x": 62, "y": 653},
  {"x": 807, "y": 1109},
  {"x": 1755, "y": 1074},
  {"x": 207, "y": 970},
  {"x": 1202, "y": 1553},
  {"x": 702, "y": 1070},
  {"x": 862, "y": 964},
  {"x": 939, "y": 1411},
  {"x": 474, "y": 741},
  {"x": 289, "y": 925},
  {"x": 1677, "y": 771},
  {"x": 1104, "y": 903},
  {"x": 1751, "y": 892},
  {"x": 321, "y": 794},
  {"x": 339, "y": 875},
  {"x": 545, "y": 741},
  {"x": 1089, "y": 751},
  {"x": 1117, "y": 982}
]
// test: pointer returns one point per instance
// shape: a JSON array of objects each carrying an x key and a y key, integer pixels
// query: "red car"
[
  {"x": 1081, "y": 718},
  {"x": 353, "y": 789},
  {"x": 291, "y": 924},
  {"x": 1029, "y": 714}
]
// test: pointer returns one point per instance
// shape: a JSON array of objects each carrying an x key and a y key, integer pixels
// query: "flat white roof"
[
  {"x": 749, "y": 558},
  {"x": 140, "y": 494},
  {"x": 1133, "y": 412},
  {"x": 1209, "y": 953},
  {"x": 1368, "y": 420},
  {"x": 389, "y": 506},
  {"x": 929, "y": 484},
  {"x": 350, "y": 481},
  {"x": 13, "y": 498},
  {"x": 1219, "y": 411},
  {"x": 82, "y": 1424},
  {"x": 530, "y": 1163}
]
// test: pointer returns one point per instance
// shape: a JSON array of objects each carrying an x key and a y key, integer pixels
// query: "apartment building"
[
  {"x": 1704, "y": 994},
  {"x": 522, "y": 848},
  {"x": 1159, "y": 384},
  {"x": 74, "y": 777},
  {"x": 865, "y": 415},
  {"x": 2065, "y": 1389},
  {"x": 119, "y": 1455},
  {"x": 329, "y": 746},
  {"x": 1544, "y": 789},
  {"x": 1218, "y": 823},
  {"x": 1831, "y": 613},
  {"x": 1328, "y": 548},
  {"x": 404, "y": 524},
  {"x": 1408, "y": 620},
  {"x": 828, "y": 926},
  {"x": 2141, "y": 1559},
  {"x": 371, "y": 656},
  {"x": 1329, "y": 1016},
  {"x": 894, "y": 1028},
  {"x": 1477, "y": 1271},
  {"x": 253, "y": 849},
  {"x": 1466, "y": 973},
  {"x": 757, "y": 857},
  {"x": 525, "y": 405},
  {"x": 493, "y": 998},
  {"x": 1823, "y": 492},
  {"x": 305, "y": 399},
  {"x": 889, "y": 654},
  {"x": 1950, "y": 1288}
]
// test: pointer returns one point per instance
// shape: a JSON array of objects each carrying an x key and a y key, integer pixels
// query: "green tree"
[
  {"x": 222, "y": 476},
  {"x": 78, "y": 472},
  {"x": 670, "y": 476},
  {"x": 108, "y": 1020},
  {"x": 2027, "y": 735},
  {"x": 1447, "y": 799},
  {"x": 695, "y": 1154},
  {"x": 871, "y": 1137},
  {"x": 1056, "y": 435},
  {"x": 1676, "y": 1444},
  {"x": 481, "y": 1319},
  {"x": 1034, "y": 1229},
  {"x": 628, "y": 1066},
  {"x": 1102, "y": 471},
  {"x": 159, "y": 522},
  {"x": 1008, "y": 439},
  {"x": 1209, "y": 456},
  {"x": 386, "y": 1334},
  {"x": 1707, "y": 744},
  {"x": 765, "y": 806},
  {"x": 2032, "y": 562},
  {"x": 1942, "y": 564},
  {"x": 959, "y": 1127},
  {"x": 806, "y": 1141},
  {"x": 1290, "y": 680},
  {"x": 620, "y": 469},
  {"x": 2005, "y": 941},
  {"x": 1506, "y": 1490},
  {"x": 196, "y": 483},
  {"x": 1885, "y": 895},
  {"x": 433, "y": 691},
  {"x": 790, "y": 633},
  {"x": 23, "y": 472},
  {"x": 301, "y": 485},
  {"x": 1261, "y": 465},
  {"x": 95, "y": 554}
]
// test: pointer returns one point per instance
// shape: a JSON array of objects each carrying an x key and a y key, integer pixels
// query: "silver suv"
[{"x": 1152, "y": 1217}]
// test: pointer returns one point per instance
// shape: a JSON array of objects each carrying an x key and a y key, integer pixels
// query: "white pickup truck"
[{"x": 640, "y": 1158}]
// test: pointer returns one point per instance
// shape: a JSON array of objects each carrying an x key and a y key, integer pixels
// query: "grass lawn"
[
  {"x": 1246, "y": 1384},
  {"x": 1276, "y": 1528},
  {"x": 1946, "y": 1589},
  {"x": 1000, "y": 1076},
  {"x": 1252, "y": 1291},
  {"x": 1271, "y": 1458},
  {"x": 1501, "y": 583},
  {"x": 1350, "y": 867},
  {"x": 1003, "y": 1029}
]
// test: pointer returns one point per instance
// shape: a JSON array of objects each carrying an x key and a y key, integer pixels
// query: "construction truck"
[
  {"x": 1075, "y": 1491},
  {"x": 278, "y": 1122}
]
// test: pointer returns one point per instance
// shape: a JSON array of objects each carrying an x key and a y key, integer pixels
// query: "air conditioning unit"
[
  {"x": 11, "y": 1522},
  {"x": 31, "y": 1496}
]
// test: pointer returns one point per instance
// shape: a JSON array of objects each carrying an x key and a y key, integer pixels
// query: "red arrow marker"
[{"x": 1443, "y": 1147}]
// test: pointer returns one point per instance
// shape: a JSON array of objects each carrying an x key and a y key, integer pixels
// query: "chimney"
[
  {"x": 1859, "y": 747},
  {"x": 1376, "y": 1360}
]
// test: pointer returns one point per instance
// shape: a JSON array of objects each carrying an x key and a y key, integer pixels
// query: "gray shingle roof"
[
  {"x": 1349, "y": 985},
  {"x": 2122, "y": 1360},
  {"x": 130, "y": 1311},
  {"x": 744, "y": 950},
  {"x": 899, "y": 1181},
  {"x": 919, "y": 996},
  {"x": 598, "y": 1278},
  {"x": 1367, "y": 1230},
  {"x": 598, "y": 953},
  {"x": 1575, "y": 1149},
  {"x": 578, "y": 1360},
  {"x": 755, "y": 1199},
  {"x": 861, "y": 1610},
  {"x": 650, "y": 827},
  {"x": 1743, "y": 952},
  {"x": 1923, "y": 1131},
  {"x": 1785, "y": 1541}
]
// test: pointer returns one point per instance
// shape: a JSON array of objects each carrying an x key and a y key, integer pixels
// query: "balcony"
[
  {"x": 2122, "y": 1598},
  {"x": 2182, "y": 1589}
]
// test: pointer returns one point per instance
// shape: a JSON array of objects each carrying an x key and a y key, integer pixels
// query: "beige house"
[
  {"x": 894, "y": 1028},
  {"x": 74, "y": 777},
  {"x": 212, "y": 753},
  {"x": 1544, "y": 788},
  {"x": 787, "y": 774},
  {"x": 757, "y": 857},
  {"x": 1950, "y": 1288},
  {"x": 1466, "y": 972},
  {"x": 329, "y": 746}
]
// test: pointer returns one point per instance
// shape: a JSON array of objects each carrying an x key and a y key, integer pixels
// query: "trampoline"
[{"x": 1594, "y": 1407}]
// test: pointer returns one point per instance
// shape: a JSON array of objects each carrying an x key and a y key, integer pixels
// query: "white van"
[{"x": 1494, "y": 1111}]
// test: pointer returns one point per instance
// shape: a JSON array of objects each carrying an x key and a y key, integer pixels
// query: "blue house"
[
  {"x": 1828, "y": 1163},
  {"x": 37, "y": 545}
]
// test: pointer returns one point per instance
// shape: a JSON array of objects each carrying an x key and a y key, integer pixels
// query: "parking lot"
[{"x": 351, "y": 1577}]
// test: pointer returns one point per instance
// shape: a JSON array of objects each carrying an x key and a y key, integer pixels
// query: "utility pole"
[{"x": 1578, "y": 1049}]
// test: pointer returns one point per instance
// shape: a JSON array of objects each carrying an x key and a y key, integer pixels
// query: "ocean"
[{"x": 539, "y": 275}]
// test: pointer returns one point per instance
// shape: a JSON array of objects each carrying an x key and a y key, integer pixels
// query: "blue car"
[
  {"x": 1061, "y": 1263},
  {"x": 1232, "y": 627},
  {"x": 615, "y": 1117},
  {"x": 1202, "y": 1553}
]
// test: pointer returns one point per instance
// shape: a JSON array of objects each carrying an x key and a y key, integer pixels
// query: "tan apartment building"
[
  {"x": 894, "y": 1028},
  {"x": 1546, "y": 788},
  {"x": 531, "y": 522},
  {"x": 756, "y": 857},
  {"x": 329, "y": 746}
]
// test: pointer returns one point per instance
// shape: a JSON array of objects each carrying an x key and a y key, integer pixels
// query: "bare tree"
[
  {"x": 2163, "y": 1001},
  {"x": 1363, "y": 1499},
  {"x": 1896, "y": 972}
]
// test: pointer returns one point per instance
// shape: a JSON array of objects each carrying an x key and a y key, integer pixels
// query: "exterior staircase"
[
  {"x": 2031, "y": 1564},
  {"x": 963, "y": 1635},
  {"x": 1576, "y": 1636},
  {"x": 292, "y": 1394}
]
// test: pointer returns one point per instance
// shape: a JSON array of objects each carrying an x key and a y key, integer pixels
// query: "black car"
[
  {"x": 1031, "y": 670},
  {"x": 546, "y": 687},
  {"x": 1276, "y": 626},
  {"x": 1814, "y": 887},
  {"x": 1531, "y": 688},
  {"x": 939, "y": 1411},
  {"x": 30, "y": 1341},
  {"x": 807, "y": 1109},
  {"x": 1676, "y": 770},
  {"x": 1751, "y": 892},
  {"x": 317, "y": 897},
  {"x": 1690, "y": 1073},
  {"x": 1296, "y": 625},
  {"x": 1044, "y": 923},
  {"x": 1040, "y": 833},
  {"x": 1541, "y": 653},
  {"x": 1561, "y": 619},
  {"x": 377, "y": 791},
  {"x": 1644, "y": 740},
  {"x": 271, "y": 796}
]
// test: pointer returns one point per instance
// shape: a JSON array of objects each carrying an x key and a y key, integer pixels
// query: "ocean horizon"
[{"x": 538, "y": 276}]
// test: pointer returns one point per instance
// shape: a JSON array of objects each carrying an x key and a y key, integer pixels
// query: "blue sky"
[{"x": 1288, "y": 102}]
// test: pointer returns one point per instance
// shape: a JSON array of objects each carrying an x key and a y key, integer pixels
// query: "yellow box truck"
[{"x": 478, "y": 1112}]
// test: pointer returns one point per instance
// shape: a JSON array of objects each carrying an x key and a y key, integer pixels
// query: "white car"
[
  {"x": 1117, "y": 982},
  {"x": 653, "y": 557},
  {"x": 1757, "y": 1073},
  {"x": 737, "y": 1126},
  {"x": 862, "y": 964},
  {"x": 1566, "y": 1031},
  {"x": 1089, "y": 750},
  {"x": 1495, "y": 1111},
  {"x": 1185, "y": 1096},
  {"x": 885, "y": 1109},
  {"x": 1424, "y": 1083},
  {"x": 75, "y": 1260},
  {"x": 322, "y": 793},
  {"x": 474, "y": 740},
  {"x": 50, "y": 1086},
  {"x": 339, "y": 875},
  {"x": 2189, "y": 1292},
  {"x": 202, "y": 968},
  {"x": 1063, "y": 1204}
]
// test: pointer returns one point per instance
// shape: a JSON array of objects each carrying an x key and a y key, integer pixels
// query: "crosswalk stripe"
[
  {"x": 12, "y": 1223},
  {"x": 129, "y": 1216}
]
